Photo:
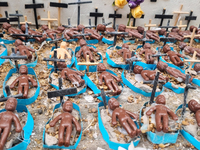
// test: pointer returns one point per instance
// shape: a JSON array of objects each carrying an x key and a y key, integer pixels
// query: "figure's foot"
[
  {"x": 181, "y": 63},
  {"x": 67, "y": 143},
  {"x": 82, "y": 83},
  {"x": 165, "y": 130},
  {"x": 118, "y": 92},
  {"x": 114, "y": 93},
  {"x": 100, "y": 38},
  {"x": 133, "y": 134},
  {"x": 60, "y": 142},
  {"x": 1, "y": 147},
  {"x": 91, "y": 60},
  {"x": 159, "y": 128},
  {"x": 138, "y": 131}
]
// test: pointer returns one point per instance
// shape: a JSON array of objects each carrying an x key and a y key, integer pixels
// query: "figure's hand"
[
  {"x": 18, "y": 129},
  {"x": 114, "y": 123},
  {"x": 51, "y": 124},
  {"x": 12, "y": 86},
  {"x": 35, "y": 84},
  {"x": 175, "y": 118},
  {"x": 119, "y": 80},
  {"x": 78, "y": 129},
  {"x": 100, "y": 83},
  {"x": 148, "y": 113}
]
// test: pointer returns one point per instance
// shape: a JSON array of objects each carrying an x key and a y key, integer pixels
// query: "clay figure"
[
  {"x": 23, "y": 81},
  {"x": 152, "y": 35},
  {"x": 124, "y": 117},
  {"x": 86, "y": 50},
  {"x": 163, "y": 67},
  {"x": 147, "y": 74},
  {"x": 126, "y": 52},
  {"x": 148, "y": 53},
  {"x": 72, "y": 75},
  {"x": 51, "y": 32},
  {"x": 6, "y": 119},
  {"x": 175, "y": 35},
  {"x": 174, "y": 57},
  {"x": 23, "y": 50},
  {"x": 12, "y": 30},
  {"x": 194, "y": 106},
  {"x": 162, "y": 31},
  {"x": 108, "y": 79},
  {"x": 66, "y": 124},
  {"x": 197, "y": 67},
  {"x": 62, "y": 51},
  {"x": 69, "y": 33},
  {"x": 103, "y": 28},
  {"x": 189, "y": 49},
  {"x": 161, "y": 114}
]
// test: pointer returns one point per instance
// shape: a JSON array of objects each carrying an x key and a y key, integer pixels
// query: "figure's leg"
[
  {"x": 147, "y": 57},
  {"x": 174, "y": 61},
  {"x": 4, "y": 136},
  {"x": 151, "y": 60},
  {"x": 61, "y": 135},
  {"x": 20, "y": 89},
  {"x": 68, "y": 135},
  {"x": 115, "y": 86},
  {"x": 26, "y": 87},
  {"x": 73, "y": 80},
  {"x": 110, "y": 87},
  {"x": 29, "y": 55},
  {"x": 158, "y": 123},
  {"x": 79, "y": 80},
  {"x": 134, "y": 127},
  {"x": 180, "y": 62},
  {"x": 128, "y": 129},
  {"x": 91, "y": 57},
  {"x": 165, "y": 123}
]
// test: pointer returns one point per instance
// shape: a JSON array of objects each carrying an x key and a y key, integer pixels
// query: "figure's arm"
[
  {"x": 150, "y": 111},
  {"x": 93, "y": 49},
  {"x": 172, "y": 114},
  {"x": 30, "y": 49},
  {"x": 63, "y": 74},
  {"x": 78, "y": 73},
  {"x": 144, "y": 76},
  {"x": 132, "y": 115},
  {"x": 180, "y": 55},
  {"x": 55, "y": 120},
  {"x": 120, "y": 52},
  {"x": 18, "y": 127},
  {"x": 77, "y": 125},
  {"x": 16, "y": 49},
  {"x": 79, "y": 53},
  {"x": 114, "y": 118},
  {"x": 33, "y": 81},
  {"x": 100, "y": 79},
  {"x": 115, "y": 77},
  {"x": 14, "y": 82},
  {"x": 142, "y": 52}
]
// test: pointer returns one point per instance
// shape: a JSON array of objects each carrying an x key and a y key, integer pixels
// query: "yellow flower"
[
  {"x": 120, "y": 3},
  {"x": 137, "y": 12}
]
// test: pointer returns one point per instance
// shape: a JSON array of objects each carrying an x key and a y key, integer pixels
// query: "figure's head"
[
  {"x": 162, "y": 32},
  {"x": 63, "y": 45},
  {"x": 125, "y": 46},
  {"x": 11, "y": 104},
  {"x": 67, "y": 106},
  {"x": 80, "y": 27},
  {"x": 61, "y": 65},
  {"x": 61, "y": 28},
  {"x": 6, "y": 25},
  {"x": 192, "y": 28},
  {"x": 82, "y": 42},
  {"x": 18, "y": 42},
  {"x": 101, "y": 67},
  {"x": 160, "y": 100},
  {"x": 182, "y": 45},
  {"x": 175, "y": 30},
  {"x": 122, "y": 28},
  {"x": 140, "y": 29},
  {"x": 162, "y": 66},
  {"x": 193, "y": 105},
  {"x": 147, "y": 46},
  {"x": 197, "y": 67},
  {"x": 23, "y": 69},
  {"x": 23, "y": 27},
  {"x": 101, "y": 27},
  {"x": 113, "y": 104},
  {"x": 166, "y": 48},
  {"x": 44, "y": 27},
  {"x": 137, "y": 69}
]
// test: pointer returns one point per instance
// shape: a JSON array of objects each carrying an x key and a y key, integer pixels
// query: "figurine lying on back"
[
  {"x": 148, "y": 53},
  {"x": 6, "y": 120},
  {"x": 124, "y": 117},
  {"x": 51, "y": 32},
  {"x": 194, "y": 106},
  {"x": 108, "y": 79},
  {"x": 65, "y": 128},
  {"x": 189, "y": 49},
  {"x": 161, "y": 115},
  {"x": 126, "y": 52},
  {"x": 23, "y": 81},
  {"x": 23, "y": 50},
  {"x": 103, "y": 28}
]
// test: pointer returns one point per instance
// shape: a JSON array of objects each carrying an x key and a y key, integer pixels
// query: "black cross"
[
  {"x": 144, "y": 40},
  {"x": 61, "y": 92},
  {"x": 17, "y": 15},
  {"x": 8, "y": 92},
  {"x": 134, "y": 19},
  {"x": 105, "y": 24},
  {"x": 131, "y": 60},
  {"x": 187, "y": 87},
  {"x": 55, "y": 60},
  {"x": 167, "y": 39},
  {"x": 3, "y": 4},
  {"x": 55, "y": 40},
  {"x": 116, "y": 33},
  {"x": 96, "y": 14},
  {"x": 82, "y": 34},
  {"x": 7, "y": 19},
  {"x": 153, "y": 0},
  {"x": 79, "y": 8},
  {"x": 163, "y": 16},
  {"x": 168, "y": 26},
  {"x": 114, "y": 16},
  {"x": 60, "y": 5},
  {"x": 69, "y": 24},
  {"x": 34, "y": 6},
  {"x": 189, "y": 18},
  {"x": 13, "y": 56},
  {"x": 159, "y": 54},
  {"x": 90, "y": 25}
]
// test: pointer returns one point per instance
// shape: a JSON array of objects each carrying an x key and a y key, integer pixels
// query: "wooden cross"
[
  {"x": 115, "y": 16},
  {"x": 181, "y": 25},
  {"x": 59, "y": 5},
  {"x": 150, "y": 25},
  {"x": 193, "y": 60},
  {"x": 49, "y": 19},
  {"x": 178, "y": 14},
  {"x": 96, "y": 14},
  {"x": 192, "y": 36},
  {"x": 163, "y": 16},
  {"x": 25, "y": 21},
  {"x": 189, "y": 18},
  {"x": 88, "y": 63},
  {"x": 134, "y": 19}
]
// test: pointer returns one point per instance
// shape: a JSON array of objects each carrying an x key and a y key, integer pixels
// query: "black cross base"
[
  {"x": 131, "y": 60},
  {"x": 167, "y": 39},
  {"x": 158, "y": 55},
  {"x": 144, "y": 40},
  {"x": 96, "y": 14},
  {"x": 163, "y": 16},
  {"x": 82, "y": 34}
]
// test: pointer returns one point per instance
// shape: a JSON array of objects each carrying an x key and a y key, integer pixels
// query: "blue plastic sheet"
[
  {"x": 105, "y": 134},
  {"x": 76, "y": 107},
  {"x": 129, "y": 41},
  {"x": 57, "y": 88},
  {"x": 4, "y": 53},
  {"x": 28, "y": 128},
  {"x": 158, "y": 139},
  {"x": 13, "y": 41},
  {"x": 83, "y": 67},
  {"x": 69, "y": 65},
  {"x": 106, "y": 41},
  {"x": 23, "y": 101}
]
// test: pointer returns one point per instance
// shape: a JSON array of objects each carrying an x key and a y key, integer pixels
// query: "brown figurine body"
[
  {"x": 124, "y": 117},
  {"x": 152, "y": 35},
  {"x": 103, "y": 28},
  {"x": 62, "y": 51},
  {"x": 174, "y": 57},
  {"x": 163, "y": 67},
  {"x": 23, "y": 81},
  {"x": 23, "y": 50},
  {"x": 148, "y": 53},
  {"x": 86, "y": 50},
  {"x": 175, "y": 35},
  {"x": 194, "y": 106},
  {"x": 66, "y": 124},
  {"x": 108, "y": 79},
  {"x": 162, "y": 112},
  {"x": 6, "y": 119},
  {"x": 69, "y": 33},
  {"x": 12, "y": 30},
  {"x": 51, "y": 32},
  {"x": 126, "y": 52},
  {"x": 189, "y": 49}
]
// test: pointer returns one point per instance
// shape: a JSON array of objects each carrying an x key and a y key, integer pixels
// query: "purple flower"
[{"x": 134, "y": 3}]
